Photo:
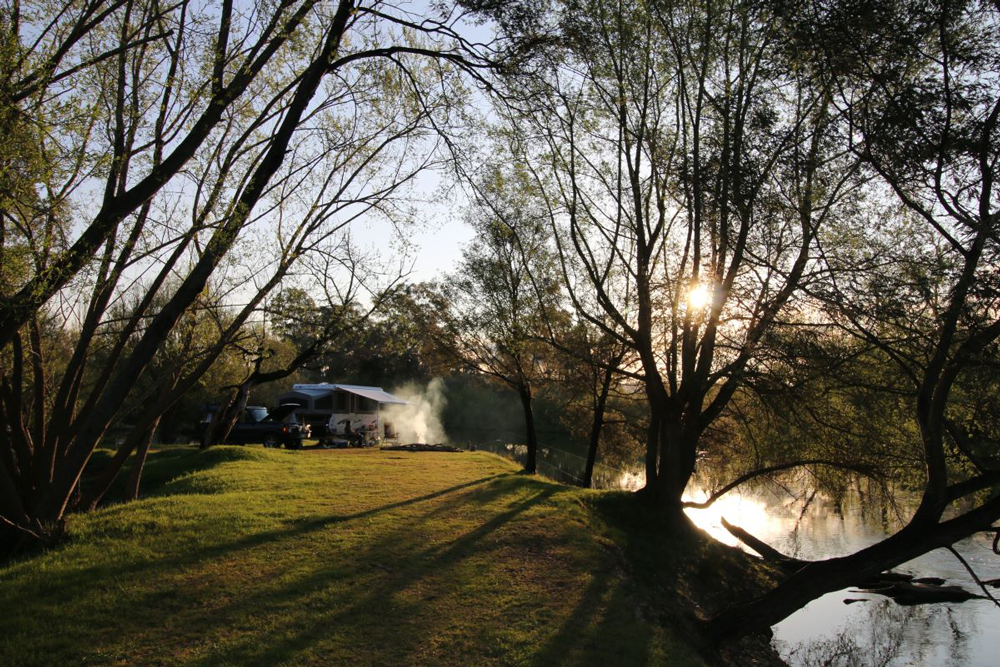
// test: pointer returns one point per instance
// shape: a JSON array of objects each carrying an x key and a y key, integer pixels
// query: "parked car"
[{"x": 273, "y": 428}]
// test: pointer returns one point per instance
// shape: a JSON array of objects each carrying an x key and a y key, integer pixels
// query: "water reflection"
[
  {"x": 876, "y": 631},
  {"x": 873, "y": 638},
  {"x": 880, "y": 633},
  {"x": 748, "y": 513}
]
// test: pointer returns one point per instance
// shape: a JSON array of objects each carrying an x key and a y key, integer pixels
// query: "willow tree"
[
  {"x": 917, "y": 85},
  {"x": 172, "y": 163},
  {"x": 687, "y": 162},
  {"x": 496, "y": 306}
]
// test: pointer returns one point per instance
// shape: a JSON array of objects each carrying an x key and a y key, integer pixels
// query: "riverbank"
[{"x": 246, "y": 556}]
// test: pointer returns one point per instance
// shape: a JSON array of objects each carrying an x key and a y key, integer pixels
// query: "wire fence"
[{"x": 564, "y": 471}]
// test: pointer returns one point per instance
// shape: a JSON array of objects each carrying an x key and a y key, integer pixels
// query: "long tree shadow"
[
  {"x": 398, "y": 590},
  {"x": 462, "y": 545},
  {"x": 563, "y": 642},
  {"x": 58, "y": 580},
  {"x": 386, "y": 613}
]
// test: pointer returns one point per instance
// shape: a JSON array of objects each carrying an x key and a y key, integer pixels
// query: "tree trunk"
[
  {"x": 56, "y": 497},
  {"x": 225, "y": 418},
  {"x": 595, "y": 439},
  {"x": 531, "y": 462},
  {"x": 142, "y": 433},
  {"x": 678, "y": 451},
  {"x": 821, "y": 577},
  {"x": 98, "y": 489},
  {"x": 648, "y": 491},
  {"x": 229, "y": 413},
  {"x": 236, "y": 409},
  {"x": 139, "y": 463}
]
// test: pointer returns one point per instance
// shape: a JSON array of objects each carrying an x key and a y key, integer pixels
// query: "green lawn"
[{"x": 339, "y": 557}]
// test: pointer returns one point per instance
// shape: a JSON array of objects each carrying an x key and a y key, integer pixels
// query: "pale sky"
[{"x": 440, "y": 235}]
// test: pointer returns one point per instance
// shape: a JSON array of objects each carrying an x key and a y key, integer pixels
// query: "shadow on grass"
[
  {"x": 413, "y": 589},
  {"x": 604, "y": 612},
  {"x": 395, "y": 627},
  {"x": 162, "y": 467},
  {"x": 58, "y": 579},
  {"x": 384, "y": 618}
]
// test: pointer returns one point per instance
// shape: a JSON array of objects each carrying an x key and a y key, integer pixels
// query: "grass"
[{"x": 246, "y": 556}]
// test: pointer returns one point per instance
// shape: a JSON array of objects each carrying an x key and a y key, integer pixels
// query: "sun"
[{"x": 698, "y": 297}]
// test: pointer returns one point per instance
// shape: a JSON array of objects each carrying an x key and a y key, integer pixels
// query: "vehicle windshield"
[{"x": 256, "y": 414}]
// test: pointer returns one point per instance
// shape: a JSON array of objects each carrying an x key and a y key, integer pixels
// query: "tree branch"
[{"x": 859, "y": 468}]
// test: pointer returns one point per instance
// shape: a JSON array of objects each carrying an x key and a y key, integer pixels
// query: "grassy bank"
[{"x": 350, "y": 557}]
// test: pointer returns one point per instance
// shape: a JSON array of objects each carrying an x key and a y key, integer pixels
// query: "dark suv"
[{"x": 258, "y": 424}]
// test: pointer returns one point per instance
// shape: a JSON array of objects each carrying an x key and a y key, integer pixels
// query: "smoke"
[{"x": 420, "y": 419}]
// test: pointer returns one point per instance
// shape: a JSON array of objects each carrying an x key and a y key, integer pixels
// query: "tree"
[
  {"x": 128, "y": 38},
  {"x": 297, "y": 132},
  {"x": 502, "y": 295},
  {"x": 590, "y": 370},
  {"x": 923, "y": 106},
  {"x": 687, "y": 165},
  {"x": 394, "y": 344}
]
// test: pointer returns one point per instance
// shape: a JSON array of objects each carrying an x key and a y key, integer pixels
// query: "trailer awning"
[{"x": 373, "y": 393}]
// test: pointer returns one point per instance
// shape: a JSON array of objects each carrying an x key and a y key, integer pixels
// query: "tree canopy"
[{"x": 764, "y": 233}]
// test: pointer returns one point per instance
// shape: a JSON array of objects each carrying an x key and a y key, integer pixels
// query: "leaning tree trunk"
[
  {"x": 531, "y": 462},
  {"x": 139, "y": 463},
  {"x": 55, "y": 498},
  {"x": 226, "y": 417},
  {"x": 229, "y": 412},
  {"x": 821, "y": 577},
  {"x": 95, "y": 492}
]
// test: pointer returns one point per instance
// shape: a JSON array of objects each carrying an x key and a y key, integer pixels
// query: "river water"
[{"x": 874, "y": 633}]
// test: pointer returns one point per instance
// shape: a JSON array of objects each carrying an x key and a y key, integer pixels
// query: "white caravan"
[{"x": 348, "y": 411}]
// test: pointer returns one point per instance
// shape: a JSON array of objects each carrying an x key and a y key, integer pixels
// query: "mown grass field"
[{"x": 340, "y": 557}]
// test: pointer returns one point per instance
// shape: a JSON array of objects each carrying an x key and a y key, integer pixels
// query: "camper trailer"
[{"x": 345, "y": 413}]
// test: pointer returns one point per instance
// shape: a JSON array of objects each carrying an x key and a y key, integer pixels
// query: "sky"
[
  {"x": 439, "y": 235},
  {"x": 439, "y": 247},
  {"x": 435, "y": 238}
]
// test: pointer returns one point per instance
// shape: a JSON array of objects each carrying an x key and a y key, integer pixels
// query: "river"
[{"x": 874, "y": 633}]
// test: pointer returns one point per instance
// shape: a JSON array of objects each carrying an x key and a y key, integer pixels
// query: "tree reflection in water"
[
  {"x": 873, "y": 640},
  {"x": 885, "y": 635}
]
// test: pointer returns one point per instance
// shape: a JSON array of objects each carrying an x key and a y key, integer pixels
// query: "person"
[{"x": 351, "y": 435}]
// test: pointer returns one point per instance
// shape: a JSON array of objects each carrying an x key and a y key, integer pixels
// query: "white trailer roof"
[{"x": 373, "y": 393}]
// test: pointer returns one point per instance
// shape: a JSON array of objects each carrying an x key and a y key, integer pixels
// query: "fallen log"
[
  {"x": 902, "y": 588},
  {"x": 909, "y": 593},
  {"x": 766, "y": 551},
  {"x": 790, "y": 564}
]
